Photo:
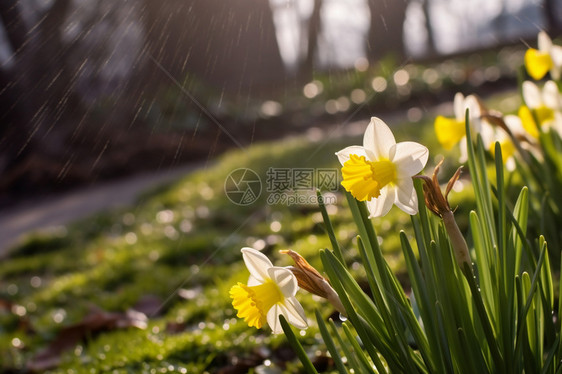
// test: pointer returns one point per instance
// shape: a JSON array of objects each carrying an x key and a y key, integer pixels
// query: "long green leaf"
[
  {"x": 299, "y": 350},
  {"x": 329, "y": 228},
  {"x": 330, "y": 343}
]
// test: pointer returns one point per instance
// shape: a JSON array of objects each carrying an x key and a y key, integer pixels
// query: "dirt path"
[{"x": 46, "y": 214}]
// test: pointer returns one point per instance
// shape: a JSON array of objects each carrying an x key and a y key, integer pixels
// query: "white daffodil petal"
[
  {"x": 556, "y": 56},
  {"x": 257, "y": 263},
  {"x": 294, "y": 312},
  {"x": 531, "y": 95},
  {"x": 273, "y": 319},
  {"x": 544, "y": 42},
  {"x": 406, "y": 198},
  {"x": 285, "y": 279},
  {"x": 474, "y": 112},
  {"x": 458, "y": 106},
  {"x": 253, "y": 281},
  {"x": 487, "y": 133},
  {"x": 378, "y": 138},
  {"x": 514, "y": 125},
  {"x": 510, "y": 164},
  {"x": 343, "y": 155},
  {"x": 410, "y": 158},
  {"x": 551, "y": 95},
  {"x": 381, "y": 205},
  {"x": 463, "y": 150}
]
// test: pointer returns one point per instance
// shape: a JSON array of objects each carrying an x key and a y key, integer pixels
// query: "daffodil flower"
[
  {"x": 451, "y": 131},
  {"x": 507, "y": 148},
  {"x": 545, "y": 105},
  {"x": 515, "y": 125},
  {"x": 270, "y": 292},
  {"x": 380, "y": 172},
  {"x": 547, "y": 58}
]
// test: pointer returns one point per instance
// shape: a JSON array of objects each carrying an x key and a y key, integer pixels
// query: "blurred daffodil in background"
[
  {"x": 542, "y": 106},
  {"x": 546, "y": 58},
  {"x": 451, "y": 131}
]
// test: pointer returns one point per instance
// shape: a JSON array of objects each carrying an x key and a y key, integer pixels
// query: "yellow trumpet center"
[
  {"x": 528, "y": 121},
  {"x": 449, "y": 131},
  {"x": 253, "y": 302},
  {"x": 542, "y": 114},
  {"x": 537, "y": 63},
  {"x": 364, "y": 179}
]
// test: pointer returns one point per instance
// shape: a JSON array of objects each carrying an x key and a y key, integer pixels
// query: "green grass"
[{"x": 185, "y": 236}]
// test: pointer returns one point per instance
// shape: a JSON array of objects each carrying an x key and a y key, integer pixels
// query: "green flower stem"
[{"x": 458, "y": 243}]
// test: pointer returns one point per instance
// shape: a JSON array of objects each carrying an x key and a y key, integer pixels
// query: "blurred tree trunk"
[
  {"x": 386, "y": 33},
  {"x": 553, "y": 23},
  {"x": 230, "y": 44},
  {"x": 306, "y": 68},
  {"x": 36, "y": 85},
  {"x": 15, "y": 113},
  {"x": 13, "y": 23},
  {"x": 431, "y": 50}
]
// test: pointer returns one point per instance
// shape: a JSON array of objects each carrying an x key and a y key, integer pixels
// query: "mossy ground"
[{"x": 180, "y": 245}]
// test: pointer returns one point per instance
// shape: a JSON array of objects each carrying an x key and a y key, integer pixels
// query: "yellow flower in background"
[
  {"x": 451, "y": 131},
  {"x": 543, "y": 106},
  {"x": 380, "y": 172},
  {"x": 508, "y": 150},
  {"x": 528, "y": 121},
  {"x": 270, "y": 292},
  {"x": 547, "y": 58}
]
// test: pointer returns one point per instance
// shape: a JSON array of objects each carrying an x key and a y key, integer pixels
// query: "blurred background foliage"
[{"x": 95, "y": 89}]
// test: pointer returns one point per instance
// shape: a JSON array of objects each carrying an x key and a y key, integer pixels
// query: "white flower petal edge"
[
  {"x": 381, "y": 205},
  {"x": 378, "y": 139},
  {"x": 257, "y": 263},
  {"x": 514, "y": 125},
  {"x": 531, "y": 95},
  {"x": 292, "y": 311},
  {"x": 406, "y": 198},
  {"x": 296, "y": 316},
  {"x": 253, "y": 281},
  {"x": 551, "y": 95},
  {"x": 459, "y": 106},
  {"x": 410, "y": 158},
  {"x": 344, "y": 154},
  {"x": 556, "y": 56},
  {"x": 544, "y": 43}
]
